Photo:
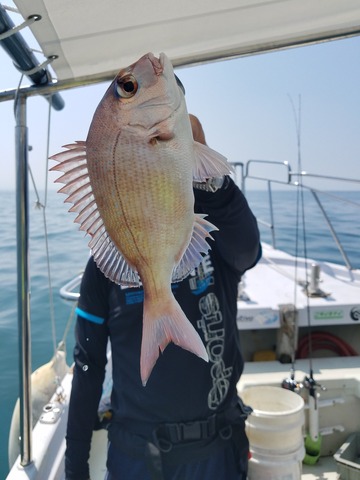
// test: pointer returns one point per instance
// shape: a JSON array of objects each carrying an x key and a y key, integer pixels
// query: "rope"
[
  {"x": 43, "y": 206},
  {"x": 16, "y": 98},
  {"x": 38, "y": 68},
  {"x": 69, "y": 322},
  {"x": 48, "y": 263},
  {"x": 29, "y": 21}
]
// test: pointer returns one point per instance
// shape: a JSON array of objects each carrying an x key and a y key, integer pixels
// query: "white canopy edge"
[{"x": 97, "y": 38}]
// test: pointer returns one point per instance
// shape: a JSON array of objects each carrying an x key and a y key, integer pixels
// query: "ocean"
[{"x": 68, "y": 254}]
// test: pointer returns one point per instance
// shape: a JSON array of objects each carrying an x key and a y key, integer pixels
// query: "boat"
[{"x": 287, "y": 296}]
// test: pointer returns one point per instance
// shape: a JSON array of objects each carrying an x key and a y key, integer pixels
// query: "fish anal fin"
[
  {"x": 197, "y": 246},
  {"x": 163, "y": 323},
  {"x": 209, "y": 163},
  {"x": 110, "y": 260}
]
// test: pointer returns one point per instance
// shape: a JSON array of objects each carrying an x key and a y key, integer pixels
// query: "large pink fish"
[{"x": 131, "y": 183}]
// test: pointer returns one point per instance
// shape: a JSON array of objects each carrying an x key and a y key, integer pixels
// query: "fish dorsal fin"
[
  {"x": 198, "y": 245},
  {"x": 72, "y": 162},
  {"x": 209, "y": 163}
]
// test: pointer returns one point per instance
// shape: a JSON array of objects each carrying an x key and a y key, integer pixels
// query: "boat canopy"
[{"x": 97, "y": 38}]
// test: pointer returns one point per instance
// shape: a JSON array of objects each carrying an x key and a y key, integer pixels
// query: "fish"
[{"x": 131, "y": 184}]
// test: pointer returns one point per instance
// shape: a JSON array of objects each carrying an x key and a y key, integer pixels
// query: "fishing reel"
[
  {"x": 290, "y": 383},
  {"x": 311, "y": 384}
]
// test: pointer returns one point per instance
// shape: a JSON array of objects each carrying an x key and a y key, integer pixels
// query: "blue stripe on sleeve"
[{"x": 89, "y": 316}]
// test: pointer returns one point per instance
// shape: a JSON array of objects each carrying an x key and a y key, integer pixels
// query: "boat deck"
[
  {"x": 267, "y": 287},
  {"x": 325, "y": 469}
]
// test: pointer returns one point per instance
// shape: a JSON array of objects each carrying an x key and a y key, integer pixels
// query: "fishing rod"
[{"x": 313, "y": 437}]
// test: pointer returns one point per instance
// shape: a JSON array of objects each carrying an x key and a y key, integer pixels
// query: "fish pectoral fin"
[
  {"x": 197, "y": 246},
  {"x": 165, "y": 322},
  {"x": 209, "y": 163}
]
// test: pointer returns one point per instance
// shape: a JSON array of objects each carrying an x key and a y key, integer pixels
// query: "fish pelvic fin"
[
  {"x": 72, "y": 162},
  {"x": 163, "y": 323},
  {"x": 209, "y": 163},
  {"x": 197, "y": 246}
]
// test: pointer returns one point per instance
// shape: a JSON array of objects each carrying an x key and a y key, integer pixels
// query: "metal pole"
[
  {"x": 22, "y": 225},
  {"x": 333, "y": 233},
  {"x": 272, "y": 228}
]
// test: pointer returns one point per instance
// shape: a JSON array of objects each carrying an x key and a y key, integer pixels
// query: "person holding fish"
[{"x": 159, "y": 286}]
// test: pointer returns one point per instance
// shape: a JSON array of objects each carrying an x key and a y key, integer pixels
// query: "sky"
[{"x": 247, "y": 107}]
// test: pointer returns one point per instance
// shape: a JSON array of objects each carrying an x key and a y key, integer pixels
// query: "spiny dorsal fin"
[{"x": 72, "y": 162}]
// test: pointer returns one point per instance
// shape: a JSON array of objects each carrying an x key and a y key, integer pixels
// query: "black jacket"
[{"x": 182, "y": 387}]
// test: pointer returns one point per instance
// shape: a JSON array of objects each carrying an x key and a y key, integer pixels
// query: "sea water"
[{"x": 68, "y": 254}]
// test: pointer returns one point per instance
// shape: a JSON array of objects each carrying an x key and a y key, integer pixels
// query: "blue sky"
[{"x": 244, "y": 105}]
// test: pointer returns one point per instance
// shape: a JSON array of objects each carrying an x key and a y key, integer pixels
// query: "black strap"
[
  {"x": 169, "y": 434},
  {"x": 180, "y": 432},
  {"x": 180, "y": 442},
  {"x": 154, "y": 461}
]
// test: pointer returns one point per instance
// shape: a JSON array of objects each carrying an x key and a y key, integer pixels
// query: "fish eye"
[{"x": 126, "y": 86}]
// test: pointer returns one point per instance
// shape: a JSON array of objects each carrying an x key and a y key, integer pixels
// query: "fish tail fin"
[{"x": 165, "y": 322}]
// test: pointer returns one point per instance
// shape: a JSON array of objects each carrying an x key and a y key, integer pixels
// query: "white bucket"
[
  {"x": 275, "y": 432},
  {"x": 276, "y": 467}
]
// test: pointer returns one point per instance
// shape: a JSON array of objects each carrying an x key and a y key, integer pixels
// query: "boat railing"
[
  {"x": 283, "y": 176},
  {"x": 277, "y": 173},
  {"x": 70, "y": 290}
]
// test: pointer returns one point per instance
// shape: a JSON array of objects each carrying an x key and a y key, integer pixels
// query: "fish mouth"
[
  {"x": 162, "y": 58},
  {"x": 157, "y": 63},
  {"x": 167, "y": 95},
  {"x": 165, "y": 63}
]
